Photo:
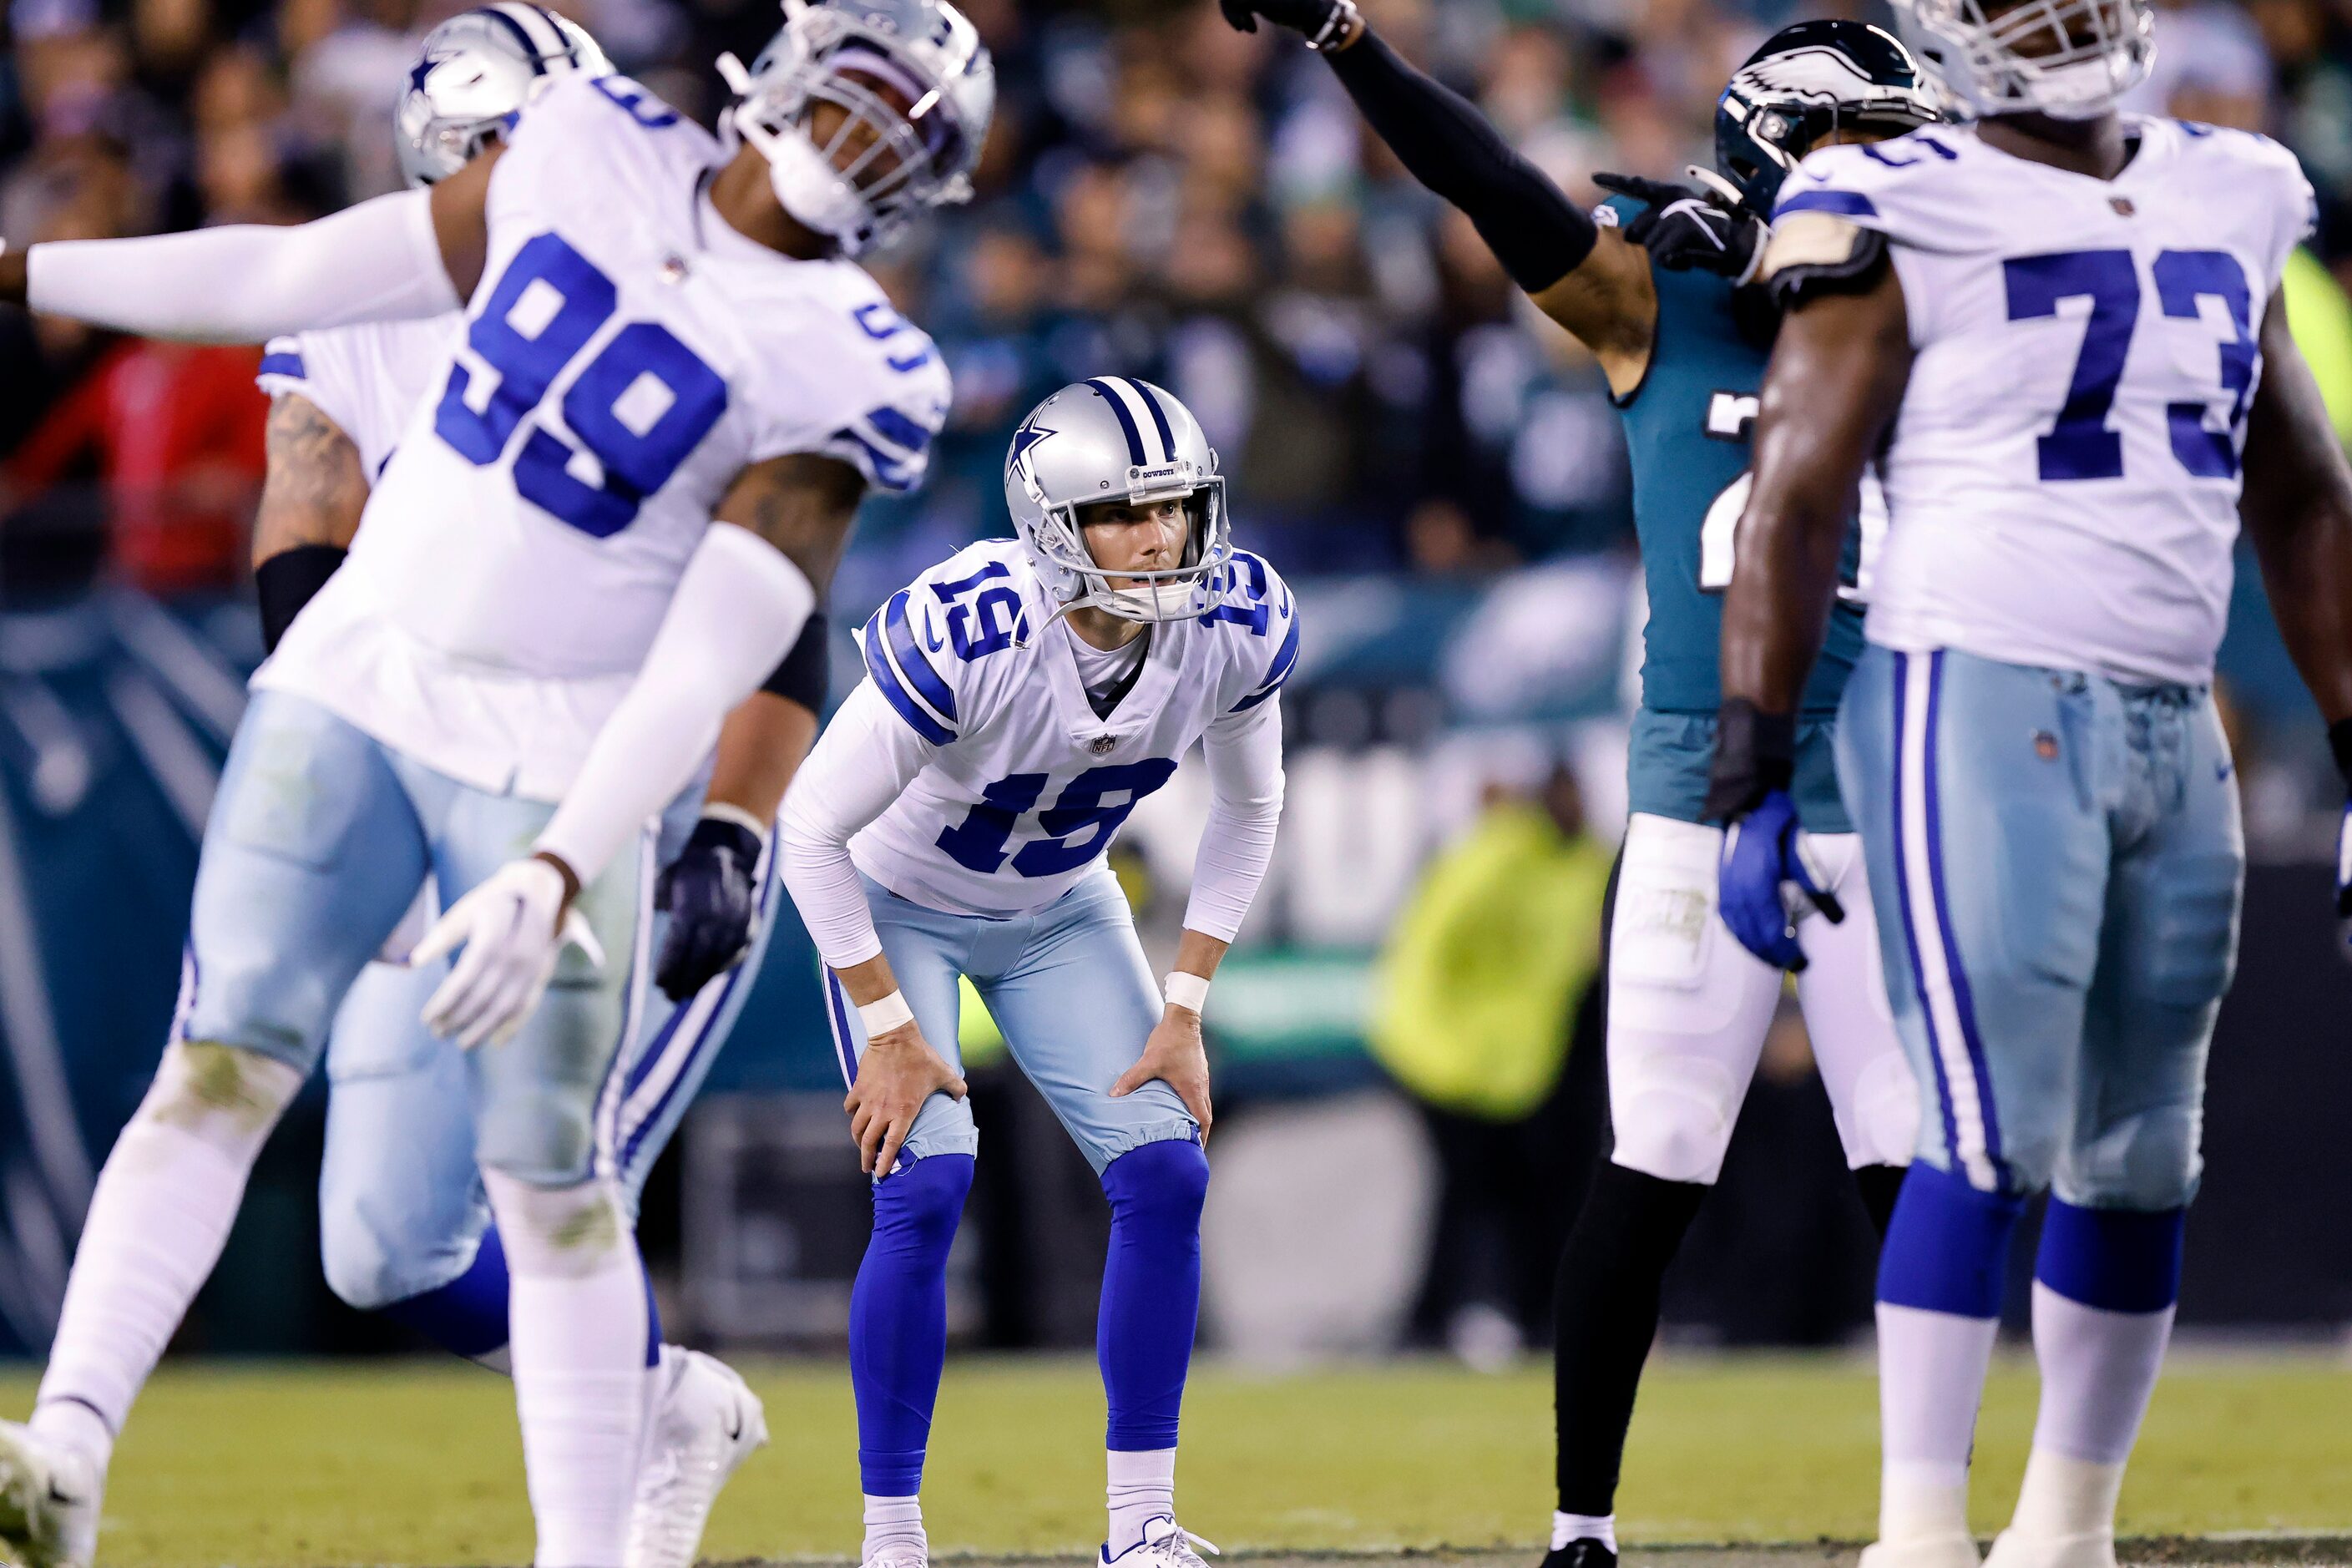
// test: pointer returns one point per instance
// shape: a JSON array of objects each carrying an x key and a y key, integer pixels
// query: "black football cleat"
[{"x": 1581, "y": 1553}]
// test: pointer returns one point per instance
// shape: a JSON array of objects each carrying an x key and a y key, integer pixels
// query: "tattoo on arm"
[
  {"x": 801, "y": 503},
  {"x": 316, "y": 488}
]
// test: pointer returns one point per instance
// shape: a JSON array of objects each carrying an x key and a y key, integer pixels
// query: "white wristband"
[
  {"x": 881, "y": 1017},
  {"x": 1187, "y": 991}
]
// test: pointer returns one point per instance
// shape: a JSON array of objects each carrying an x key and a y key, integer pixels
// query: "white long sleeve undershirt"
[
  {"x": 377, "y": 262},
  {"x": 867, "y": 756}
]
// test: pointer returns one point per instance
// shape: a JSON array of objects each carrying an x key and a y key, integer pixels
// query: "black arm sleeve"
[
  {"x": 288, "y": 581},
  {"x": 1534, "y": 230},
  {"x": 808, "y": 668}
]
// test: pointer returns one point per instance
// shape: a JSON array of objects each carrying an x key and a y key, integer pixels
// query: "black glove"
[
  {"x": 711, "y": 899},
  {"x": 1704, "y": 226},
  {"x": 1324, "y": 22}
]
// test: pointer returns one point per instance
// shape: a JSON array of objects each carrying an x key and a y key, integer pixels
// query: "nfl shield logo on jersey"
[{"x": 1101, "y": 744}]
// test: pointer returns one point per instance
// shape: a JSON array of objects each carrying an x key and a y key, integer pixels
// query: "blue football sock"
[
  {"x": 467, "y": 1316},
  {"x": 1947, "y": 1247},
  {"x": 898, "y": 1320},
  {"x": 1150, "y": 1290}
]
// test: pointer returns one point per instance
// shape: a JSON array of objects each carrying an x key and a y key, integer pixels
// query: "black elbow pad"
[{"x": 805, "y": 674}]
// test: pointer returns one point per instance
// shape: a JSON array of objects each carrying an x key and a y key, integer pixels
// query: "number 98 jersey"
[
  {"x": 2062, "y": 478},
  {"x": 624, "y": 357},
  {"x": 1018, "y": 786}
]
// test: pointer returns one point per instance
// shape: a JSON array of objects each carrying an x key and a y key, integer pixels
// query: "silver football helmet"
[
  {"x": 2067, "y": 59},
  {"x": 1113, "y": 437},
  {"x": 853, "y": 53},
  {"x": 474, "y": 73}
]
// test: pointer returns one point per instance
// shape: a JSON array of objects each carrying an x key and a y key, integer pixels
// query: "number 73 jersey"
[
  {"x": 626, "y": 356},
  {"x": 2062, "y": 478}
]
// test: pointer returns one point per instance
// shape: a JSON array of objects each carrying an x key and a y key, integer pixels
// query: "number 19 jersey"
[
  {"x": 624, "y": 357},
  {"x": 2062, "y": 478},
  {"x": 1022, "y": 784}
]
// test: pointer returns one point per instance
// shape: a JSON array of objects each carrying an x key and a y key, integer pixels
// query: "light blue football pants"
[
  {"x": 401, "y": 1205},
  {"x": 319, "y": 839},
  {"x": 2056, "y": 861},
  {"x": 1070, "y": 987}
]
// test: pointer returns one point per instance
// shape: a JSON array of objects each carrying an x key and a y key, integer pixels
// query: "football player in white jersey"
[
  {"x": 2064, "y": 326},
  {"x": 405, "y": 1225},
  {"x": 951, "y": 822},
  {"x": 603, "y": 529}
]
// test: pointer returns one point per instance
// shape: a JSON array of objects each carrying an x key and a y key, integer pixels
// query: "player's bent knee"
[
  {"x": 229, "y": 1095},
  {"x": 547, "y": 1139},
  {"x": 1167, "y": 1180},
  {"x": 569, "y": 1230},
  {"x": 1881, "y": 1126},
  {"x": 2151, "y": 1161},
  {"x": 919, "y": 1206},
  {"x": 1674, "y": 1121}
]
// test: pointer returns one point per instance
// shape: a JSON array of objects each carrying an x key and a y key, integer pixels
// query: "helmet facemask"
[
  {"x": 2070, "y": 59},
  {"x": 1196, "y": 585},
  {"x": 900, "y": 142}
]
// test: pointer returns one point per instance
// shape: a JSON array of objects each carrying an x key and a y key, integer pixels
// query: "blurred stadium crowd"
[{"x": 1161, "y": 196}]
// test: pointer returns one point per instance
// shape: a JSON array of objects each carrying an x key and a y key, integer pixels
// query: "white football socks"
[
  {"x": 2098, "y": 1370},
  {"x": 1931, "y": 1375},
  {"x": 157, "y": 1221},
  {"x": 1142, "y": 1489},
  {"x": 577, "y": 1313},
  {"x": 1567, "y": 1527},
  {"x": 895, "y": 1525}
]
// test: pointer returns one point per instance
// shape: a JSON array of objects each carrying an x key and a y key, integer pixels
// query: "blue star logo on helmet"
[
  {"x": 1027, "y": 436},
  {"x": 418, "y": 72}
]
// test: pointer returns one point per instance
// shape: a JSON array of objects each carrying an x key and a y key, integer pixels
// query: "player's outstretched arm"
[
  {"x": 415, "y": 253},
  {"x": 737, "y": 606},
  {"x": 2297, "y": 511},
  {"x": 1587, "y": 278},
  {"x": 312, "y": 499},
  {"x": 863, "y": 761}
]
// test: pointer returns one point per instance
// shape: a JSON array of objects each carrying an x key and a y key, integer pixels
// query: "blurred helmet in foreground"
[
  {"x": 915, "y": 88},
  {"x": 2067, "y": 59},
  {"x": 474, "y": 73}
]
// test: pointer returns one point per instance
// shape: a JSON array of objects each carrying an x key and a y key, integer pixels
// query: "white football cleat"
[
  {"x": 1165, "y": 1545},
  {"x": 2015, "y": 1549},
  {"x": 707, "y": 1423},
  {"x": 898, "y": 1557},
  {"x": 1955, "y": 1551},
  {"x": 48, "y": 1500}
]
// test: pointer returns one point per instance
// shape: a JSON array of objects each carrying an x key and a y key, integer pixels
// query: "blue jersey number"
[
  {"x": 986, "y": 622},
  {"x": 1077, "y": 826},
  {"x": 639, "y": 408},
  {"x": 2080, "y": 445}
]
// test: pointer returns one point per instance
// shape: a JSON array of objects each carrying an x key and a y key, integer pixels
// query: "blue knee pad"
[
  {"x": 899, "y": 1319},
  {"x": 1947, "y": 1249},
  {"x": 1150, "y": 1290},
  {"x": 2121, "y": 1260}
]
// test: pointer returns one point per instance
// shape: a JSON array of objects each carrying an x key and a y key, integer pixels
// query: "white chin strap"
[
  {"x": 1146, "y": 602},
  {"x": 2086, "y": 87}
]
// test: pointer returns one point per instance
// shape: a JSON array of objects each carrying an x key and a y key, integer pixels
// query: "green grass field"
[{"x": 416, "y": 1462}]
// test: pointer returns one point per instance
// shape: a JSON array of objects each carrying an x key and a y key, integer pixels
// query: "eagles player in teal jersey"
[{"x": 1655, "y": 284}]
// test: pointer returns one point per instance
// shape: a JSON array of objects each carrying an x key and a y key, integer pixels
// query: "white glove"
[{"x": 508, "y": 928}]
